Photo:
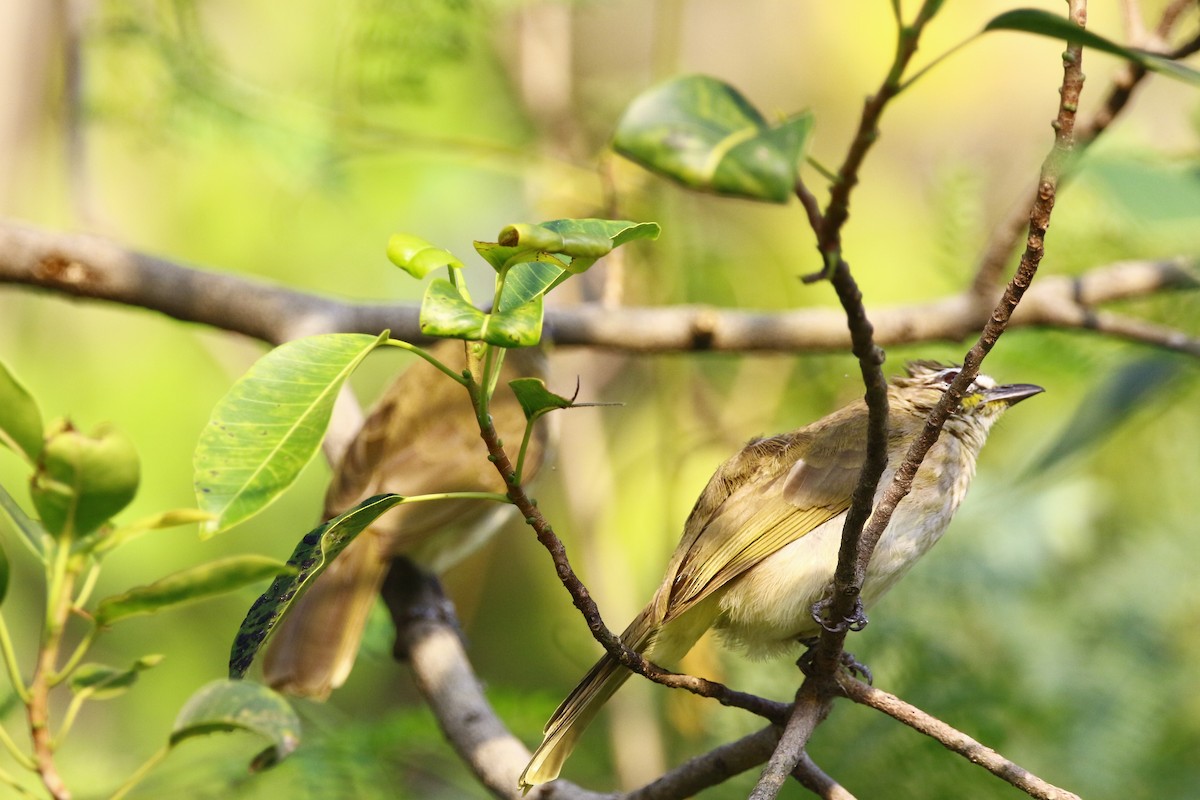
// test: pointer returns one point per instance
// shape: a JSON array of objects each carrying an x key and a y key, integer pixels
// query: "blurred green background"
[{"x": 1059, "y": 622}]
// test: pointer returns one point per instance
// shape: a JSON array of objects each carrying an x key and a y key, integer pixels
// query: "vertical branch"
[
  {"x": 1039, "y": 222},
  {"x": 814, "y": 698}
]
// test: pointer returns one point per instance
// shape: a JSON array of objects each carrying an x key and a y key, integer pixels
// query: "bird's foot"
[
  {"x": 856, "y": 621},
  {"x": 848, "y": 662}
]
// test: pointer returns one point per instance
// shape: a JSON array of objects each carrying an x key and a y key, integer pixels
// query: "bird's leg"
[
  {"x": 856, "y": 621},
  {"x": 848, "y": 661}
]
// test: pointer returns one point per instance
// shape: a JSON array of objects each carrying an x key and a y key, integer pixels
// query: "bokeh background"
[{"x": 1058, "y": 622}]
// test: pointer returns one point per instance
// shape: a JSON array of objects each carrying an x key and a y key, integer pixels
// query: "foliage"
[
  {"x": 1035, "y": 603},
  {"x": 79, "y": 483}
]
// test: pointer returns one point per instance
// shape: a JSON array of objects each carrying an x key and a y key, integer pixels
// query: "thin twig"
[
  {"x": 1006, "y": 235},
  {"x": 814, "y": 698},
  {"x": 952, "y": 739},
  {"x": 583, "y": 601}
]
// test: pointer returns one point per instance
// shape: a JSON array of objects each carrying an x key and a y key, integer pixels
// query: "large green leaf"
[
  {"x": 20, "y": 420},
  {"x": 229, "y": 705},
  {"x": 270, "y": 424},
  {"x": 1044, "y": 23},
  {"x": 310, "y": 558},
  {"x": 194, "y": 583},
  {"x": 703, "y": 133},
  {"x": 83, "y": 480}
]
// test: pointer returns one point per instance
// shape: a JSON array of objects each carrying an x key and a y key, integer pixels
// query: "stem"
[
  {"x": 69, "y": 717},
  {"x": 17, "y": 753},
  {"x": 59, "y": 593},
  {"x": 425, "y": 354},
  {"x": 80, "y": 651},
  {"x": 11, "y": 781},
  {"x": 10, "y": 663},
  {"x": 89, "y": 584},
  {"x": 519, "y": 472},
  {"x": 141, "y": 772}
]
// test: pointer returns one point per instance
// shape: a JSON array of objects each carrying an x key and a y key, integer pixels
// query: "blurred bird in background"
[{"x": 421, "y": 437}]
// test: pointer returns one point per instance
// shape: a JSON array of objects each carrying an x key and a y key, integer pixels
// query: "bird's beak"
[{"x": 1011, "y": 394}]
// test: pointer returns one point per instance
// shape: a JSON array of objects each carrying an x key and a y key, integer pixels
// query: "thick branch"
[
  {"x": 952, "y": 739},
  {"x": 427, "y": 638},
  {"x": 91, "y": 267}
]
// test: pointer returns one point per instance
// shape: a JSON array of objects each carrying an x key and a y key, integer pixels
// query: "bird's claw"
[
  {"x": 856, "y": 621},
  {"x": 849, "y": 663}
]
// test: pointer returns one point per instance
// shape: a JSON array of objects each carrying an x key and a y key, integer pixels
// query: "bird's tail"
[
  {"x": 314, "y": 647},
  {"x": 568, "y": 722}
]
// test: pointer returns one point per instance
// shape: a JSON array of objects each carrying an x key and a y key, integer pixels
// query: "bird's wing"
[{"x": 771, "y": 494}]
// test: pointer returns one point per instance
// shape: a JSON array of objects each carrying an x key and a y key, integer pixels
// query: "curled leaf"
[
  {"x": 229, "y": 705},
  {"x": 416, "y": 256}
]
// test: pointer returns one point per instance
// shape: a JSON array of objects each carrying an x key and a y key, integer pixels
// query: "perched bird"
[
  {"x": 760, "y": 546},
  {"x": 421, "y": 437}
]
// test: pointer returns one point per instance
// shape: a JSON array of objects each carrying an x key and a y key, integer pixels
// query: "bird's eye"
[{"x": 947, "y": 376}]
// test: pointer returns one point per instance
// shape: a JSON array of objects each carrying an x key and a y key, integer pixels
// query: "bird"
[
  {"x": 420, "y": 437},
  {"x": 760, "y": 546}
]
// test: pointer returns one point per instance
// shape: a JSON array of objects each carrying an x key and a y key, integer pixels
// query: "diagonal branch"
[
  {"x": 1006, "y": 235},
  {"x": 952, "y": 739}
]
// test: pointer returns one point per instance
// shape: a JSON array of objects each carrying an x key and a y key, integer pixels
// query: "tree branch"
[
  {"x": 1005, "y": 236},
  {"x": 428, "y": 639},
  {"x": 951, "y": 739},
  {"x": 80, "y": 265}
]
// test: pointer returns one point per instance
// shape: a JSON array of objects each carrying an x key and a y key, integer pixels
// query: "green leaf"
[
  {"x": 310, "y": 558},
  {"x": 495, "y": 253},
  {"x": 620, "y": 231},
  {"x": 529, "y": 280},
  {"x": 535, "y": 398},
  {"x": 1044, "y": 23},
  {"x": 21, "y": 427},
  {"x": 418, "y": 257},
  {"x": 583, "y": 238},
  {"x": 32, "y": 532},
  {"x": 1109, "y": 405},
  {"x": 228, "y": 705},
  {"x": 270, "y": 424},
  {"x": 520, "y": 327},
  {"x": 524, "y": 236},
  {"x": 703, "y": 133},
  {"x": 102, "y": 682},
  {"x": 105, "y": 541},
  {"x": 445, "y": 313},
  {"x": 81, "y": 481},
  {"x": 194, "y": 583},
  {"x": 4, "y": 571}
]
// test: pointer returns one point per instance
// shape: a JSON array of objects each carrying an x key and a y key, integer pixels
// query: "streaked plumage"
[{"x": 760, "y": 546}]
